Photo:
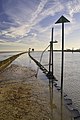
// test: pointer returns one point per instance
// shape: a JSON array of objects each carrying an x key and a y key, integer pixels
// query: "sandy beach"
[{"x": 23, "y": 97}]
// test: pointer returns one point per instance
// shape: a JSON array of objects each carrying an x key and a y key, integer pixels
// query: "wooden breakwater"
[
  {"x": 45, "y": 71},
  {"x": 8, "y": 61}
]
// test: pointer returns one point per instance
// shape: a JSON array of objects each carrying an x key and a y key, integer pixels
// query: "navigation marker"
[{"x": 62, "y": 20}]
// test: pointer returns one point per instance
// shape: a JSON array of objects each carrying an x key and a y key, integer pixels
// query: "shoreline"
[{"x": 23, "y": 97}]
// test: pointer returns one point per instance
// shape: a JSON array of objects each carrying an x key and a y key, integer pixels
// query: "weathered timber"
[{"x": 45, "y": 71}]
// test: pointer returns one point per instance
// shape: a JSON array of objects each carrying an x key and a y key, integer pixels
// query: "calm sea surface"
[{"x": 71, "y": 70}]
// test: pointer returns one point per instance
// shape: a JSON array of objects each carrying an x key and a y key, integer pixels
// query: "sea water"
[
  {"x": 71, "y": 79},
  {"x": 71, "y": 70}
]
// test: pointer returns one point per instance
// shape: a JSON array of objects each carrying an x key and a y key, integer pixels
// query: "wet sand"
[{"x": 23, "y": 97}]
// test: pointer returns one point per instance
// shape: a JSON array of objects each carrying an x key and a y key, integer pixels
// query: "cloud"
[
  {"x": 20, "y": 15},
  {"x": 39, "y": 10},
  {"x": 44, "y": 14},
  {"x": 2, "y": 41},
  {"x": 47, "y": 12},
  {"x": 73, "y": 7},
  {"x": 29, "y": 21}
]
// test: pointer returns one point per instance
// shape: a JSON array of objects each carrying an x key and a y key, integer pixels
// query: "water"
[
  {"x": 71, "y": 70},
  {"x": 71, "y": 73},
  {"x": 6, "y": 55}
]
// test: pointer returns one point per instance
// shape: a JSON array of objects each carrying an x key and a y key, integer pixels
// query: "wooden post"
[
  {"x": 62, "y": 69},
  {"x": 51, "y": 56},
  {"x": 62, "y": 20},
  {"x": 52, "y": 50}
]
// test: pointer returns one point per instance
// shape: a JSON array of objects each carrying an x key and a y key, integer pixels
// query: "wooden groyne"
[
  {"x": 8, "y": 61},
  {"x": 45, "y": 71}
]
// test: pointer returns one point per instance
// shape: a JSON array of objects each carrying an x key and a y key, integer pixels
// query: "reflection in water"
[
  {"x": 62, "y": 105},
  {"x": 51, "y": 98},
  {"x": 56, "y": 112}
]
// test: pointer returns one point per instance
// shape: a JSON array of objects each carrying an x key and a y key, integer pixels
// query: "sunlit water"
[{"x": 71, "y": 70}]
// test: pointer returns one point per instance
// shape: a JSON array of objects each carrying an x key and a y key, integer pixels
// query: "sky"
[{"x": 27, "y": 24}]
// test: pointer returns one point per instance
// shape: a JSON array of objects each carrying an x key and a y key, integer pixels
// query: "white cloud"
[
  {"x": 28, "y": 18},
  {"x": 25, "y": 28},
  {"x": 43, "y": 13},
  {"x": 2, "y": 41},
  {"x": 73, "y": 7},
  {"x": 57, "y": 7},
  {"x": 49, "y": 11},
  {"x": 36, "y": 16},
  {"x": 39, "y": 10}
]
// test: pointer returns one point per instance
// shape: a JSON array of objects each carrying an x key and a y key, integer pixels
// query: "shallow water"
[
  {"x": 7, "y": 55},
  {"x": 71, "y": 71}
]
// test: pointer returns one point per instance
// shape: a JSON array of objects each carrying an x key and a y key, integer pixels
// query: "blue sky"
[{"x": 27, "y": 23}]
